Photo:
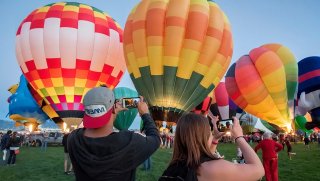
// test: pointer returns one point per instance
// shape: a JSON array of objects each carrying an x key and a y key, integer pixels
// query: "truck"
[{"x": 54, "y": 138}]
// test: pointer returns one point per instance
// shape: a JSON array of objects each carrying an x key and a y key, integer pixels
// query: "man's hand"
[{"x": 142, "y": 107}]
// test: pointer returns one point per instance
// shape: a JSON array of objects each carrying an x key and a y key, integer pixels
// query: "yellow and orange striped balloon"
[{"x": 176, "y": 52}]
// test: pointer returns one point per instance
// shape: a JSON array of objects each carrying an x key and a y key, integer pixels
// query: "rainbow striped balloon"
[
  {"x": 262, "y": 82},
  {"x": 66, "y": 48},
  {"x": 176, "y": 52}
]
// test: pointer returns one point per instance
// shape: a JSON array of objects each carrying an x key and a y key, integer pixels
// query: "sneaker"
[{"x": 66, "y": 173}]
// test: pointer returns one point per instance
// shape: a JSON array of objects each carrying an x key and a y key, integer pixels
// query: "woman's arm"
[{"x": 228, "y": 171}]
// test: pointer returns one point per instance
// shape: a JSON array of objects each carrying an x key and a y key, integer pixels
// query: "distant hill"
[{"x": 7, "y": 124}]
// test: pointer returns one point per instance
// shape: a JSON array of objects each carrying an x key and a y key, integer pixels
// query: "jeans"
[
  {"x": 44, "y": 145},
  {"x": 12, "y": 157},
  {"x": 147, "y": 164}
]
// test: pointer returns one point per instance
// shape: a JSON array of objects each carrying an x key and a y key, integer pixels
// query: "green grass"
[{"x": 32, "y": 164}]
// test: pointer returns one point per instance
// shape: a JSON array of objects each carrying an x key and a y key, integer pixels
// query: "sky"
[{"x": 293, "y": 23}]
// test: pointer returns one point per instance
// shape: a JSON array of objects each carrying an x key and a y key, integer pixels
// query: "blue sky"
[{"x": 293, "y": 23}]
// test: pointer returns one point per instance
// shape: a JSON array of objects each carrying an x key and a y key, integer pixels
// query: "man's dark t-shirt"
[{"x": 114, "y": 157}]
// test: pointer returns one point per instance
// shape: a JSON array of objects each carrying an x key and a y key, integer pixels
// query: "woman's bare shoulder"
[
  {"x": 223, "y": 170},
  {"x": 216, "y": 163}
]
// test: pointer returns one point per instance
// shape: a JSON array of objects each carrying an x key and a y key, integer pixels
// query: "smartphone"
[
  {"x": 130, "y": 102},
  {"x": 225, "y": 125}
]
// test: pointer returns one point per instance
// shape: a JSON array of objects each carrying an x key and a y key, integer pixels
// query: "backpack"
[{"x": 179, "y": 171}]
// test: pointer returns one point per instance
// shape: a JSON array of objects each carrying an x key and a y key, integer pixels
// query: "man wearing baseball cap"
[{"x": 98, "y": 153}]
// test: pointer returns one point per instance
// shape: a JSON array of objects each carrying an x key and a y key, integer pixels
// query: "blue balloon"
[
  {"x": 22, "y": 104},
  {"x": 308, "y": 96}
]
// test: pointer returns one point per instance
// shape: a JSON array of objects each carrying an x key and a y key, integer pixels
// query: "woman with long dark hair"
[{"x": 194, "y": 154}]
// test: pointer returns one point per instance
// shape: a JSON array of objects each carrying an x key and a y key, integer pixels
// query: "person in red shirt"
[{"x": 269, "y": 148}]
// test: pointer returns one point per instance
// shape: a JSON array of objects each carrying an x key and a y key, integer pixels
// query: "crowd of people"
[
  {"x": 166, "y": 139},
  {"x": 97, "y": 152},
  {"x": 11, "y": 142}
]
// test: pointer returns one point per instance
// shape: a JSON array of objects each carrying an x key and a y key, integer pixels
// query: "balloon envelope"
[
  {"x": 176, "y": 53},
  {"x": 221, "y": 102},
  {"x": 300, "y": 122},
  {"x": 308, "y": 99},
  {"x": 203, "y": 107},
  {"x": 22, "y": 106},
  {"x": 125, "y": 118},
  {"x": 13, "y": 88},
  {"x": 259, "y": 82},
  {"x": 64, "y": 49}
]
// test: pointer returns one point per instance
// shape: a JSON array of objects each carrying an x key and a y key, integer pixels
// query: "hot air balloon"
[
  {"x": 50, "y": 112},
  {"x": 125, "y": 118},
  {"x": 262, "y": 82},
  {"x": 203, "y": 107},
  {"x": 300, "y": 122},
  {"x": 22, "y": 106},
  {"x": 308, "y": 99},
  {"x": 263, "y": 126},
  {"x": 235, "y": 109},
  {"x": 223, "y": 106},
  {"x": 176, "y": 53},
  {"x": 220, "y": 103},
  {"x": 64, "y": 49},
  {"x": 13, "y": 89}
]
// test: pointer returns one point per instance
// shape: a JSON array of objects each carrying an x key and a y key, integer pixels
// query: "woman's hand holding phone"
[
  {"x": 236, "y": 130},
  {"x": 214, "y": 119},
  {"x": 216, "y": 133}
]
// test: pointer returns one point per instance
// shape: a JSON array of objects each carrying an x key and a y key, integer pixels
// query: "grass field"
[{"x": 32, "y": 164}]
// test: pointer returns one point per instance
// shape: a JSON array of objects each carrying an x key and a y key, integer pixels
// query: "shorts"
[
  {"x": 66, "y": 157},
  {"x": 289, "y": 150}
]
